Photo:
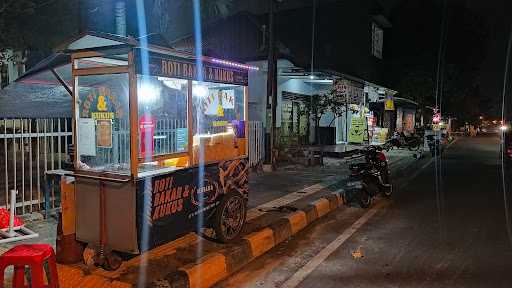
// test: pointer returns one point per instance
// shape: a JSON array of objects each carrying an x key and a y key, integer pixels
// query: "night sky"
[
  {"x": 496, "y": 13},
  {"x": 425, "y": 16},
  {"x": 416, "y": 28}
]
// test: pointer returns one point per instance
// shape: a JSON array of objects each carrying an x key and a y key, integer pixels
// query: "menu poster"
[
  {"x": 181, "y": 139},
  {"x": 104, "y": 133},
  {"x": 86, "y": 131}
]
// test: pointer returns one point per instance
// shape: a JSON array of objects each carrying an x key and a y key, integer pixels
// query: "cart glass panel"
[
  {"x": 103, "y": 126},
  {"x": 163, "y": 129},
  {"x": 218, "y": 122}
]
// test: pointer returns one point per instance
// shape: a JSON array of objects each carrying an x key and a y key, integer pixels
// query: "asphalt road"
[{"x": 444, "y": 231}]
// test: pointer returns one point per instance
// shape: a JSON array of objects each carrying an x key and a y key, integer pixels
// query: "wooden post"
[
  {"x": 190, "y": 123},
  {"x": 134, "y": 110}
]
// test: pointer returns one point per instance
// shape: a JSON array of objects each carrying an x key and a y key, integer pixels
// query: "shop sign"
[
  {"x": 379, "y": 135},
  {"x": 436, "y": 119},
  {"x": 172, "y": 67},
  {"x": 389, "y": 104},
  {"x": 349, "y": 90},
  {"x": 357, "y": 128}
]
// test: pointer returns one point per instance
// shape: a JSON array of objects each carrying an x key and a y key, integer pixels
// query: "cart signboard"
[
  {"x": 177, "y": 200},
  {"x": 181, "y": 68}
]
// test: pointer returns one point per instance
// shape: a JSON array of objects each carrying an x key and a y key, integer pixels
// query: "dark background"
[{"x": 473, "y": 57}]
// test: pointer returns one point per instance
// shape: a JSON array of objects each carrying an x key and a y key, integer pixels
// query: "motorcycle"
[
  {"x": 368, "y": 179},
  {"x": 399, "y": 140}
]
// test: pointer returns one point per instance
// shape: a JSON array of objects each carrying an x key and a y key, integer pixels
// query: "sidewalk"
[
  {"x": 264, "y": 188},
  {"x": 274, "y": 196}
]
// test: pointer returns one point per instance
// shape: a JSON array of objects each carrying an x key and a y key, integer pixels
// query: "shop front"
[{"x": 393, "y": 114}]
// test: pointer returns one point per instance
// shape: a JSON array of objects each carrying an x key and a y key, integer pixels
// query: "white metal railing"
[
  {"x": 256, "y": 143},
  {"x": 29, "y": 148}
]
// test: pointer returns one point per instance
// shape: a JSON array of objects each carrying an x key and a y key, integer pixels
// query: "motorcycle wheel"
[
  {"x": 387, "y": 191},
  {"x": 365, "y": 199},
  {"x": 415, "y": 146}
]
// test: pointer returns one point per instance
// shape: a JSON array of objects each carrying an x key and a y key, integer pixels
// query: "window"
[
  {"x": 218, "y": 121},
  {"x": 377, "y": 40},
  {"x": 103, "y": 126},
  {"x": 217, "y": 107},
  {"x": 162, "y": 120}
]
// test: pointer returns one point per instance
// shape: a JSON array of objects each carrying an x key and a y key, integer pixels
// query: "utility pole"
[{"x": 272, "y": 85}]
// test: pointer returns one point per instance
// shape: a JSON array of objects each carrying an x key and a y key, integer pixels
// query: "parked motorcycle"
[
  {"x": 368, "y": 179},
  {"x": 400, "y": 140}
]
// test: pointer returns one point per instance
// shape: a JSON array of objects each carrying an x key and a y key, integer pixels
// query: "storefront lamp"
[{"x": 503, "y": 128}]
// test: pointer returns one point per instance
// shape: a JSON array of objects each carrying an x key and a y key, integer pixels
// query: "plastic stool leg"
[
  {"x": 53, "y": 282},
  {"x": 18, "y": 280},
  {"x": 2, "y": 276},
  {"x": 37, "y": 275}
]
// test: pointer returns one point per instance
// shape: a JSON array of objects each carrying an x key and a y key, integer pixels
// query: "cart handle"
[{"x": 99, "y": 177}]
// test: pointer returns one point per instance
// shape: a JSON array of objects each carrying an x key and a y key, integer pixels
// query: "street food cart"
[{"x": 160, "y": 141}]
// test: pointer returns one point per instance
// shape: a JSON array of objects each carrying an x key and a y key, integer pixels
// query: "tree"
[
  {"x": 10, "y": 12},
  {"x": 36, "y": 25},
  {"x": 336, "y": 102},
  {"x": 314, "y": 110}
]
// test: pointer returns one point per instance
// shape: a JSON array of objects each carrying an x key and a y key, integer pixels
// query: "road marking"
[
  {"x": 300, "y": 275},
  {"x": 289, "y": 198}
]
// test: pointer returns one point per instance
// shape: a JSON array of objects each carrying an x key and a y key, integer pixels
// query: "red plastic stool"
[{"x": 34, "y": 256}]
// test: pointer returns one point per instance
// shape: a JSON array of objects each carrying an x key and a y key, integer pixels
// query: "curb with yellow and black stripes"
[{"x": 215, "y": 267}]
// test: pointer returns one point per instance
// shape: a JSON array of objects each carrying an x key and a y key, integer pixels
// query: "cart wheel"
[{"x": 229, "y": 219}]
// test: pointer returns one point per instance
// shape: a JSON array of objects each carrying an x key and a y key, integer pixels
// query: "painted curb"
[{"x": 217, "y": 266}]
